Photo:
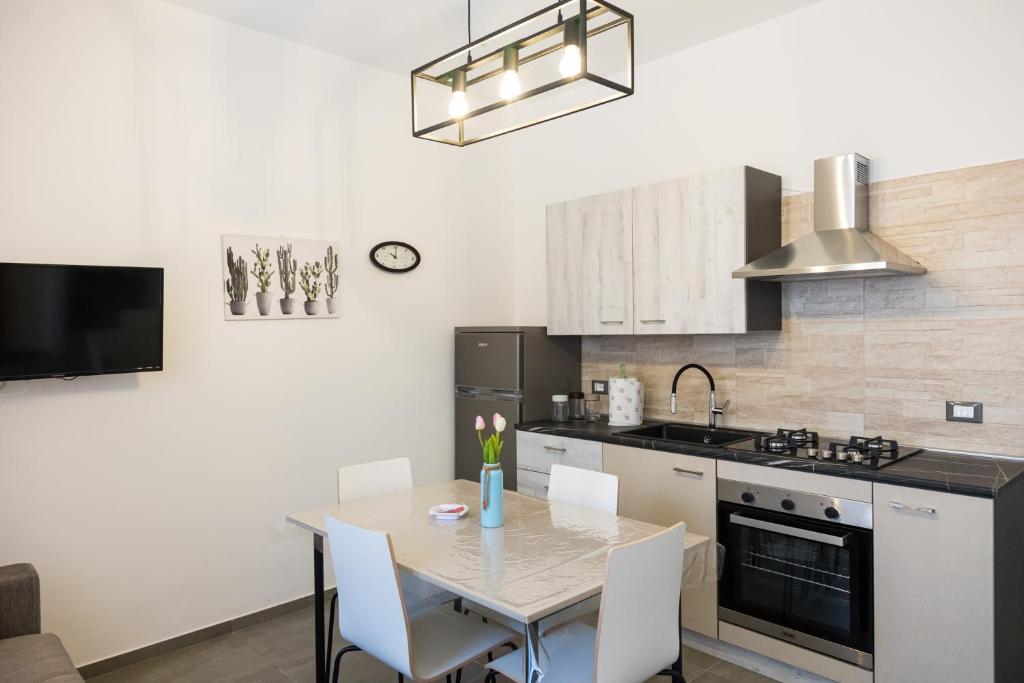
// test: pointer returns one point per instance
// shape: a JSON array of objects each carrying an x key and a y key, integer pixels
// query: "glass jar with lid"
[
  {"x": 560, "y": 408},
  {"x": 576, "y": 406},
  {"x": 592, "y": 407}
]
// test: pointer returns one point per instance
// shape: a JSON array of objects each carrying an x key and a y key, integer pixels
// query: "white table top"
[{"x": 548, "y": 556}]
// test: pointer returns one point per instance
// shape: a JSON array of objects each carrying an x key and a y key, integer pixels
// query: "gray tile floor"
[{"x": 281, "y": 651}]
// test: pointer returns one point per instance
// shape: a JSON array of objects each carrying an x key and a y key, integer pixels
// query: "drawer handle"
[
  {"x": 653, "y": 322},
  {"x": 554, "y": 448},
  {"x": 896, "y": 505},
  {"x": 695, "y": 473},
  {"x": 612, "y": 322}
]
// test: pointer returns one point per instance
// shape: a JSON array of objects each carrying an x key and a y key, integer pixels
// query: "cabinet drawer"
[
  {"x": 532, "y": 483},
  {"x": 538, "y": 452}
]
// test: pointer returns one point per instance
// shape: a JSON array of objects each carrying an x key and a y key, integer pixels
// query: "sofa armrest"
[{"x": 19, "y": 601}]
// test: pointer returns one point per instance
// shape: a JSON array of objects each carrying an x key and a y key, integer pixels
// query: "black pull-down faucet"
[{"x": 713, "y": 410}]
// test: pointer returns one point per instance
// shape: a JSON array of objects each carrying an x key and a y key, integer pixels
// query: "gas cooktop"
[{"x": 802, "y": 445}]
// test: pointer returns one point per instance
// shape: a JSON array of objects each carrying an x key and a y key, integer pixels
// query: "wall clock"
[{"x": 395, "y": 257}]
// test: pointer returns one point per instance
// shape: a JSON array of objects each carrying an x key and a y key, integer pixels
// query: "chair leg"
[
  {"x": 401, "y": 677},
  {"x": 337, "y": 660},
  {"x": 457, "y": 605},
  {"x": 458, "y": 676},
  {"x": 676, "y": 675},
  {"x": 492, "y": 677},
  {"x": 330, "y": 630},
  {"x": 448, "y": 678}
]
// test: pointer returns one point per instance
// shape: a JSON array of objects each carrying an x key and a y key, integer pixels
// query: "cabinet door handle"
[
  {"x": 612, "y": 322},
  {"x": 896, "y": 505},
  {"x": 653, "y": 322},
  {"x": 554, "y": 448},
  {"x": 695, "y": 473}
]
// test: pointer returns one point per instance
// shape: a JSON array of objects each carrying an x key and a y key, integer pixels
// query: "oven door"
[{"x": 799, "y": 580}]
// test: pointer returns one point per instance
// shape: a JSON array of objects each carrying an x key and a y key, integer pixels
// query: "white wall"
[
  {"x": 136, "y": 132},
  {"x": 915, "y": 86}
]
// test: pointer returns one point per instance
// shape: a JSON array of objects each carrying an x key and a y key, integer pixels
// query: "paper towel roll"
[{"x": 625, "y": 401}]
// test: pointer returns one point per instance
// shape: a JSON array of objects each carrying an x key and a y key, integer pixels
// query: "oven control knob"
[
  {"x": 787, "y": 504},
  {"x": 831, "y": 512},
  {"x": 747, "y": 497}
]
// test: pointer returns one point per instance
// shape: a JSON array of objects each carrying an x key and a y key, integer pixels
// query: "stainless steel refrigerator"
[{"x": 509, "y": 370}]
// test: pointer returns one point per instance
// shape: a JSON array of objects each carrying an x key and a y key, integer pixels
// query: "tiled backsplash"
[{"x": 877, "y": 355}]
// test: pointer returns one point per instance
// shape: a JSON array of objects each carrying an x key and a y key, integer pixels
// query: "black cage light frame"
[{"x": 585, "y": 12}]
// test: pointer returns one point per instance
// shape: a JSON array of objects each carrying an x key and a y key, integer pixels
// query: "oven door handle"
[{"x": 796, "y": 532}]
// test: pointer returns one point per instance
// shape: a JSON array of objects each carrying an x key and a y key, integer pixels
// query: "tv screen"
[{"x": 66, "y": 321}]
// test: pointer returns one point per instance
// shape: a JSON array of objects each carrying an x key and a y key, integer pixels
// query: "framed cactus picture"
[{"x": 279, "y": 278}]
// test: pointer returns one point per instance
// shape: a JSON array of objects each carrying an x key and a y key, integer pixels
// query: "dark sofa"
[{"x": 26, "y": 655}]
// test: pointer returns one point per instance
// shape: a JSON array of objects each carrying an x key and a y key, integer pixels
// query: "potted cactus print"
[
  {"x": 262, "y": 271},
  {"x": 286, "y": 269},
  {"x": 312, "y": 264},
  {"x": 310, "y": 281},
  {"x": 237, "y": 284},
  {"x": 331, "y": 285}
]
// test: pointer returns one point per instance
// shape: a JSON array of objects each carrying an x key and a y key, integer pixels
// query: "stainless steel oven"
[{"x": 798, "y": 568}]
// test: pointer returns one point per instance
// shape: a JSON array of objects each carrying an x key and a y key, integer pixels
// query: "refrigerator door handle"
[{"x": 489, "y": 394}]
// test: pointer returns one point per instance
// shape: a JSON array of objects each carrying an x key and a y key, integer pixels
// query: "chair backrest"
[
  {"x": 587, "y": 488},
  {"x": 371, "y": 608},
  {"x": 638, "y": 625},
  {"x": 374, "y": 479}
]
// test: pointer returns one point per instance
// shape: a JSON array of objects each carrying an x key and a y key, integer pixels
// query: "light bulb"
[
  {"x": 458, "y": 105},
  {"x": 510, "y": 85},
  {"x": 571, "y": 63}
]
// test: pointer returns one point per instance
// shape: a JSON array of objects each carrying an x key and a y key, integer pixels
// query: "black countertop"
[{"x": 971, "y": 475}]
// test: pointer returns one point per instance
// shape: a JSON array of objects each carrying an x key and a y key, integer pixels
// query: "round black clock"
[{"x": 395, "y": 257}]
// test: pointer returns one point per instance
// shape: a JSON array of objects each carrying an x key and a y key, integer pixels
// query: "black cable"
[{"x": 469, "y": 29}]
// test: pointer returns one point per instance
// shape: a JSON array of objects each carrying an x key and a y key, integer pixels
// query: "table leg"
[
  {"x": 318, "y": 609},
  {"x": 531, "y": 660}
]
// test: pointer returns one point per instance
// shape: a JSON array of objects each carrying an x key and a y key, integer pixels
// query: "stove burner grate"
[{"x": 788, "y": 440}]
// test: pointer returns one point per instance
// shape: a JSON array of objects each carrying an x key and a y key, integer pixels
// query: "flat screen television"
[{"x": 68, "y": 321}]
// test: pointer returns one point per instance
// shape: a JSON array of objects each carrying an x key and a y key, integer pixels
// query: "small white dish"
[{"x": 449, "y": 511}]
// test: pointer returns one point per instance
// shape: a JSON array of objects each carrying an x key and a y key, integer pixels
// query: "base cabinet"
[
  {"x": 666, "y": 488},
  {"x": 536, "y": 454},
  {"x": 934, "y": 586}
]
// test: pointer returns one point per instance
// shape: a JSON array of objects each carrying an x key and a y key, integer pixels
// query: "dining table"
[{"x": 547, "y": 557}]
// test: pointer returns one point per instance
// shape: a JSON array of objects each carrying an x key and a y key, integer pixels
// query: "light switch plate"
[
  {"x": 963, "y": 411},
  {"x": 599, "y": 386}
]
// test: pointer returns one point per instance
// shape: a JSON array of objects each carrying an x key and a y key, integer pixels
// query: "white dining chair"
[
  {"x": 373, "y": 615},
  {"x": 587, "y": 488},
  {"x": 374, "y": 479},
  {"x": 377, "y": 479},
  {"x": 637, "y": 634}
]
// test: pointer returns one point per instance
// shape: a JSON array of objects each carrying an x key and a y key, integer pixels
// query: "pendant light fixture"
[
  {"x": 571, "y": 62},
  {"x": 511, "y": 87},
  {"x": 562, "y": 59}
]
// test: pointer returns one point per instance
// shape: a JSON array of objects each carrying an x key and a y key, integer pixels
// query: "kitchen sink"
[{"x": 693, "y": 434}]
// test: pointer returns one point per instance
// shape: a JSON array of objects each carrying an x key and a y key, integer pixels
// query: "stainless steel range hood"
[{"x": 841, "y": 245}]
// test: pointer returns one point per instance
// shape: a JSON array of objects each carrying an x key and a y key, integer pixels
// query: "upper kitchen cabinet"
[
  {"x": 688, "y": 237},
  {"x": 659, "y": 259},
  {"x": 590, "y": 265}
]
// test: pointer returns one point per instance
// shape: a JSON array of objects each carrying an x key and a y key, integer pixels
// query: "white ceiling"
[{"x": 401, "y": 35}]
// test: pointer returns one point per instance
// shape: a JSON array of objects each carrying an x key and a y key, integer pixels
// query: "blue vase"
[{"x": 492, "y": 497}]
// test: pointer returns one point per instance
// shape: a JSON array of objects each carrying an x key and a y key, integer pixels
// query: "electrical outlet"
[
  {"x": 963, "y": 411},
  {"x": 599, "y": 386}
]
